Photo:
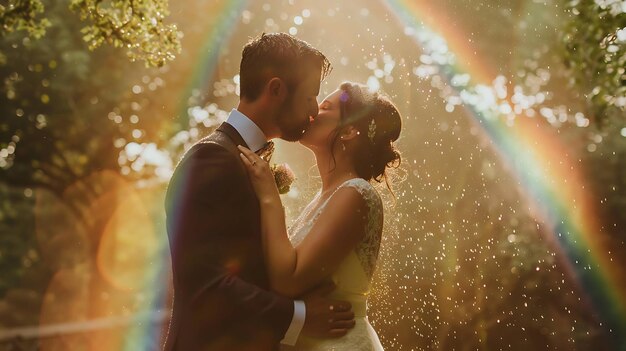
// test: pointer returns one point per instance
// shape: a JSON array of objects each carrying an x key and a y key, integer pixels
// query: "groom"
[{"x": 221, "y": 297}]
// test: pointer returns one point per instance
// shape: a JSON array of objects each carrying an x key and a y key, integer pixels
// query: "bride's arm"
[
  {"x": 337, "y": 231},
  {"x": 340, "y": 227}
]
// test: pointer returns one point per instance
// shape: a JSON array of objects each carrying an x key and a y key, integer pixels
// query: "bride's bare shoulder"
[{"x": 347, "y": 202}]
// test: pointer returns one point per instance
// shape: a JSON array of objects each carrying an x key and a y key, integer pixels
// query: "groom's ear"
[{"x": 277, "y": 88}]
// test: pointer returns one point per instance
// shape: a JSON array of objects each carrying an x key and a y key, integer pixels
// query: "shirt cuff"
[{"x": 297, "y": 322}]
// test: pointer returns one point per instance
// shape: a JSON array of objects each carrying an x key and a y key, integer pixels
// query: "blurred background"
[{"x": 508, "y": 225}]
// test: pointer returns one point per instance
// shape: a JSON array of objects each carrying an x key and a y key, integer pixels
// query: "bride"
[{"x": 337, "y": 237}]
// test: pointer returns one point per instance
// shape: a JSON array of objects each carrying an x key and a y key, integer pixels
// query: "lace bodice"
[
  {"x": 367, "y": 249},
  {"x": 353, "y": 276}
]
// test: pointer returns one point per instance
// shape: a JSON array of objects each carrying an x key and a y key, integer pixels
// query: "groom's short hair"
[{"x": 276, "y": 55}]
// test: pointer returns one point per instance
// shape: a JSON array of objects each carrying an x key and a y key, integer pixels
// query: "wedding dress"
[{"x": 354, "y": 274}]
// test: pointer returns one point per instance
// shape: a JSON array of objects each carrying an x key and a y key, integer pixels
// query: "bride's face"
[{"x": 320, "y": 133}]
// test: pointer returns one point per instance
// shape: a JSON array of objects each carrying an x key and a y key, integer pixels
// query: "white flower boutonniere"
[{"x": 283, "y": 176}]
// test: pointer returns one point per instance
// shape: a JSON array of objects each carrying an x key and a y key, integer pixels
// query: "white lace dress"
[{"x": 354, "y": 274}]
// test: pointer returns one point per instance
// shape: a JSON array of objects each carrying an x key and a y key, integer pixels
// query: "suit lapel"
[{"x": 227, "y": 134}]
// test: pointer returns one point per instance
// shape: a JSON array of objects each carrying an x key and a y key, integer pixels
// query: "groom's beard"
[{"x": 291, "y": 129}]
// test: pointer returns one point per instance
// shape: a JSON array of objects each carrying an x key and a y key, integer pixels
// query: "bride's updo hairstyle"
[{"x": 378, "y": 122}]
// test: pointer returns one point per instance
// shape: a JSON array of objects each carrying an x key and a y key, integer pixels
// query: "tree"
[
  {"x": 135, "y": 25},
  {"x": 595, "y": 52},
  {"x": 67, "y": 117}
]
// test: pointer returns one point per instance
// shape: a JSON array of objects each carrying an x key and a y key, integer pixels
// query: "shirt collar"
[{"x": 249, "y": 131}]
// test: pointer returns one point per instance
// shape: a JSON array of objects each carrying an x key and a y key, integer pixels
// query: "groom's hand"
[{"x": 326, "y": 318}]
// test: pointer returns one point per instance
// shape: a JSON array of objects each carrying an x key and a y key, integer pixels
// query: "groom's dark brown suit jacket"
[{"x": 221, "y": 300}]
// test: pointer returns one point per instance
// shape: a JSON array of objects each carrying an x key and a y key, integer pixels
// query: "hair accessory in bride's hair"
[
  {"x": 371, "y": 133},
  {"x": 283, "y": 176}
]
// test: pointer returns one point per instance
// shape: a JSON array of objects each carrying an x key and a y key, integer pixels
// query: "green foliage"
[
  {"x": 17, "y": 250},
  {"x": 62, "y": 112},
  {"x": 595, "y": 53},
  {"x": 137, "y": 26},
  {"x": 66, "y": 115},
  {"x": 24, "y": 274},
  {"x": 609, "y": 184},
  {"x": 22, "y": 15}
]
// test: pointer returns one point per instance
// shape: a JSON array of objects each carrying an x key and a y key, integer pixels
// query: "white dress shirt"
[{"x": 256, "y": 139}]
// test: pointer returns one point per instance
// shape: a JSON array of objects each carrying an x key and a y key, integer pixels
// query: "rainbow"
[
  {"x": 141, "y": 336},
  {"x": 207, "y": 60},
  {"x": 548, "y": 174}
]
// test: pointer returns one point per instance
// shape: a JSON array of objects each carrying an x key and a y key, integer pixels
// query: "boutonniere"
[{"x": 283, "y": 176}]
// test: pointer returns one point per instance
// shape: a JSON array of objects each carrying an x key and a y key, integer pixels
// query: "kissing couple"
[{"x": 242, "y": 279}]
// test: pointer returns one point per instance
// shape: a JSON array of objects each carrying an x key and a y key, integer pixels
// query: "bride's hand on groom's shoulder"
[
  {"x": 260, "y": 175},
  {"x": 326, "y": 318}
]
